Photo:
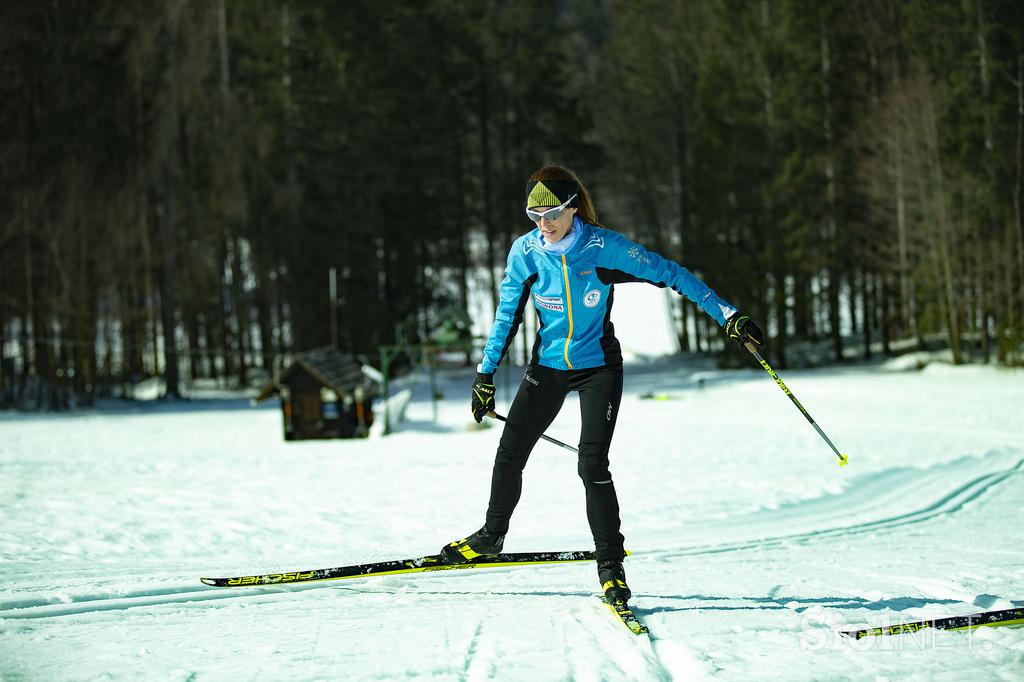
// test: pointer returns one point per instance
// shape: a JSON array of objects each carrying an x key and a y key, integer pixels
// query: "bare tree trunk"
[
  {"x": 149, "y": 332},
  {"x": 44, "y": 361},
  {"x": 779, "y": 266},
  {"x": 485, "y": 161},
  {"x": 682, "y": 194},
  {"x": 27, "y": 330},
  {"x": 908, "y": 308},
  {"x": 831, "y": 208},
  {"x": 1006, "y": 329},
  {"x": 688, "y": 320},
  {"x": 191, "y": 315},
  {"x": 1018, "y": 208},
  {"x": 944, "y": 231},
  {"x": 168, "y": 285},
  {"x": 225, "y": 339},
  {"x": 5, "y": 380},
  {"x": 209, "y": 346},
  {"x": 264, "y": 319},
  {"x": 81, "y": 342},
  {"x": 26, "y": 355},
  {"x": 990, "y": 168},
  {"x": 867, "y": 307},
  {"x": 241, "y": 308},
  {"x": 461, "y": 247},
  {"x": 885, "y": 314},
  {"x": 133, "y": 326},
  {"x": 225, "y": 78},
  {"x": 801, "y": 305},
  {"x": 851, "y": 300},
  {"x": 285, "y": 341},
  {"x": 981, "y": 308},
  {"x": 171, "y": 176}
]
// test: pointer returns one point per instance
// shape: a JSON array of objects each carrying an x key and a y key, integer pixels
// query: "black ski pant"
[{"x": 538, "y": 401}]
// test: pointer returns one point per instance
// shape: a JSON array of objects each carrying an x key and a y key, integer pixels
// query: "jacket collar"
[{"x": 581, "y": 229}]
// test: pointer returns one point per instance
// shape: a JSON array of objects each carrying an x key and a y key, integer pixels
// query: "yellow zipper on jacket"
[{"x": 568, "y": 303}]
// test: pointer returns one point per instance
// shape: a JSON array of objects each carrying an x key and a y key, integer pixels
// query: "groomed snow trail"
[{"x": 751, "y": 548}]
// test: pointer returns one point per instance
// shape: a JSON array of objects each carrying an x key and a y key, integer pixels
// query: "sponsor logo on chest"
[
  {"x": 592, "y": 298},
  {"x": 549, "y": 302}
]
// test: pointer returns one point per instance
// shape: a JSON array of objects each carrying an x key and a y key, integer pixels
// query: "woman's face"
[{"x": 554, "y": 230}]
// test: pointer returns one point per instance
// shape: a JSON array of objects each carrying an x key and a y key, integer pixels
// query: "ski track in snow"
[
  {"x": 743, "y": 569},
  {"x": 927, "y": 490},
  {"x": 476, "y": 666},
  {"x": 874, "y": 493}
]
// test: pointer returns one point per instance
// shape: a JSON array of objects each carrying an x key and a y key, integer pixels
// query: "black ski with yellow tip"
[
  {"x": 625, "y": 614},
  {"x": 990, "y": 618},
  {"x": 422, "y": 564}
]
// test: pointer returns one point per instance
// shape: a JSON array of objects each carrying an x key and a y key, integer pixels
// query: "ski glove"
[
  {"x": 483, "y": 396},
  {"x": 743, "y": 330}
]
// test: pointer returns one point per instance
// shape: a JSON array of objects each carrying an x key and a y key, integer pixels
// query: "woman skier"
[{"x": 569, "y": 265}]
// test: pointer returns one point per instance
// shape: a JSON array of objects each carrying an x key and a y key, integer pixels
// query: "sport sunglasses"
[{"x": 551, "y": 213}]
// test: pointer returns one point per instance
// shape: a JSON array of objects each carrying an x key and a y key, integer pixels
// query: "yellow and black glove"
[
  {"x": 743, "y": 330},
  {"x": 483, "y": 396}
]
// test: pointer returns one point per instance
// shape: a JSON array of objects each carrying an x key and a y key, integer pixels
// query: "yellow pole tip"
[{"x": 843, "y": 459}]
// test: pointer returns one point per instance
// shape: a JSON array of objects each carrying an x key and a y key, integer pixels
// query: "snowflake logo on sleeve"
[{"x": 634, "y": 253}]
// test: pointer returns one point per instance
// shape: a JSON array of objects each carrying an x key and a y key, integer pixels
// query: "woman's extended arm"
[{"x": 622, "y": 260}]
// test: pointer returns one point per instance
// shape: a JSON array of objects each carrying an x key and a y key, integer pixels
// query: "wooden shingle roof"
[{"x": 338, "y": 371}]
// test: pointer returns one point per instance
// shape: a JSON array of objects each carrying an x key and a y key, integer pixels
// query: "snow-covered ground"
[{"x": 751, "y": 547}]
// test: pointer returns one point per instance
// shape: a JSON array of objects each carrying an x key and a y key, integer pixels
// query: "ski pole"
[
  {"x": 495, "y": 415},
  {"x": 771, "y": 372}
]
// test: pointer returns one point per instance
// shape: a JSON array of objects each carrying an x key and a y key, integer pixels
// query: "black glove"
[
  {"x": 743, "y": 330},
  {"x": 483, "y": 396}
]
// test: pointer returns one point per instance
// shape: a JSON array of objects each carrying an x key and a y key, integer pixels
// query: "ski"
[
  {"x": 992, "y": 618},
  {"x": 626, "y": 616},
  {"x": 422, "y": 564}
]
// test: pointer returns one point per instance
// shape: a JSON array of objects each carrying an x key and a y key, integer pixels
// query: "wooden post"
[{"x": 334, "y": 306}]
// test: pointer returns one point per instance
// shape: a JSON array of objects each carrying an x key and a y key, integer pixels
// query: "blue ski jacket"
[{"x": 573, "y": 294}]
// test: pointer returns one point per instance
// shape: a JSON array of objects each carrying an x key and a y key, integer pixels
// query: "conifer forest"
[{"x": 180, "y": 177}]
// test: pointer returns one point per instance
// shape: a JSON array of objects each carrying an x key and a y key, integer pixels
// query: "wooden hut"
[{"x": 324, "y": 394}]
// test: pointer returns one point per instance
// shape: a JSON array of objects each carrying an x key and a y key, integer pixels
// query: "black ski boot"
[
  {"x": 482, "y": 543},
  {"x": 613, "y": 581}
]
